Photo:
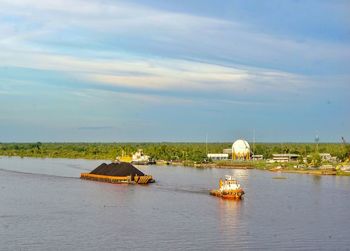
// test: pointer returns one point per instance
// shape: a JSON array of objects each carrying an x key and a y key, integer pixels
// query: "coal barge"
[{"x": 118, "y": 173}]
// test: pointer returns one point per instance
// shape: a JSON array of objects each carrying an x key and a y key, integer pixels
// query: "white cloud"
[
  {"x": 160, "y": 30},
  {"x": 156, "y": 73},
  {"x": 104, "y": 16},
  {"x": 178, "y": 34}
]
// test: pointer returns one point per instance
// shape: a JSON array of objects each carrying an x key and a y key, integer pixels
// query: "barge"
[{"x": 118, "y": 173}]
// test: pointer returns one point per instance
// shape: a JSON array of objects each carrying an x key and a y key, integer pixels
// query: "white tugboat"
[
  {"x": 229, "y": 188},
  {"x": 139, "y": 158}
]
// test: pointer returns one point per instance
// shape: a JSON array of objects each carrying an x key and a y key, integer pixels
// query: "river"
[{"x": 45, "y": 206}]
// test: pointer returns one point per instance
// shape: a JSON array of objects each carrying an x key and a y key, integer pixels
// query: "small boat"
[
  {"x": 138, "y": 158},
  {"x": 229, "y": 188}
]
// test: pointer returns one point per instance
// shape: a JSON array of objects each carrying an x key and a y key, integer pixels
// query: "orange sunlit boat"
[{"x": 229, "y": 188}]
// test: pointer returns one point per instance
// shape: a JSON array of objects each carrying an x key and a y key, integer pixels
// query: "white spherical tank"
[{"x": 240, "y": 149}]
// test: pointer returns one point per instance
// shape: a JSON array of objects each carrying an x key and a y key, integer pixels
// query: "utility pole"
[
  {"x": 317, "y": 139},
  {"x": 254, "y": 141},
  {"x": 206, "y": 144}
]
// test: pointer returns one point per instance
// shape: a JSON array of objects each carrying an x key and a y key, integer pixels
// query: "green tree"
[
  {"x": 301, "y": 159},
  {"x": 316, "y": 159}
]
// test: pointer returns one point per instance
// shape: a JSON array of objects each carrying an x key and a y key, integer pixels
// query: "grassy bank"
[{"x": 290, "y": 167}]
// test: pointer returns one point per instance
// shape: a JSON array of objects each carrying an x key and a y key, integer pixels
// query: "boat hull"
[
  {"x": 140, "y": 162},
  {"x": 229, "y": 195},
  {"x": 145, "y": 179}
]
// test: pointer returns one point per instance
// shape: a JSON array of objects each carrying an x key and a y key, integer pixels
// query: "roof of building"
[
  {"x": 217, "y": 155},
  {"x": 285, "y": 155}
]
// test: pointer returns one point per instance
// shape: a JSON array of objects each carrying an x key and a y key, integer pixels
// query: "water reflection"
[
  {"x": 229, "y": 213},
  {"x": 240, "y": 173},
  {"x": 176, "y": 213},
  {"x": 317, "y": 179}
]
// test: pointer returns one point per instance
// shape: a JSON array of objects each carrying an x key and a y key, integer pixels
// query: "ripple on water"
[{"x": 44, "y": 210}]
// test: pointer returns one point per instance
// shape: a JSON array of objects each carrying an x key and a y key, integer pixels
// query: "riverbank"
[
  {"x": 290, "y": 167},
  {"x": 167, "y": 151},
  {"x": 105, "y": 152},
  {"x": 318, "y": 172}
]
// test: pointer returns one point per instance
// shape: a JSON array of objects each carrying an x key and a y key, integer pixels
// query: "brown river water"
[{"x": 45, "y": 206}]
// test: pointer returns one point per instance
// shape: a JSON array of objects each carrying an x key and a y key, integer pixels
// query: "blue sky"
[{"x": 160, "y": 70}]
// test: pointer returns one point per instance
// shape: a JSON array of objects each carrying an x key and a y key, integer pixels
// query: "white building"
[
  {"x": 285, "y": 157},
  {"x": 217, "y": 156},
  {"x": 228, "y": 151},
  {"x": 257, "y": 157},
  {"x": 326, "y": 157}
]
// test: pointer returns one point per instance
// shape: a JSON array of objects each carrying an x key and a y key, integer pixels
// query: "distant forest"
[{"x": 161, "y": 151}]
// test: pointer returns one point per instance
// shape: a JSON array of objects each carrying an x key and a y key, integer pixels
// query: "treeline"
[
  {"x": 341, "y": 151},
  {"x": 158, "y": 151},
  {"x": 161, "y": 151}
]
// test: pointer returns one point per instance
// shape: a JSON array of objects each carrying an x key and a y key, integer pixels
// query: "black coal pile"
[{"x": 117, "y": 169}]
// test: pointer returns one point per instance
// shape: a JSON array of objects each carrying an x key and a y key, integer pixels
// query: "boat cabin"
[{"x": 229, "y": 184}]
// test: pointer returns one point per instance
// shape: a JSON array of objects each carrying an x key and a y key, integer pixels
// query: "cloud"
[
  {"x": 124, "y": 45},
  {"x": 108, "y": 26},
  {"x": 158, "y": 73},
  {"x": 115, "y": 17}
]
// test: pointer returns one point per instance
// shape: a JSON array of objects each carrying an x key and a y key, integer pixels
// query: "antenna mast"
[
  {"x": 317, "y": 139},
  {"x": 254, "y": 141},
  {"x": 206, "y": 144}
]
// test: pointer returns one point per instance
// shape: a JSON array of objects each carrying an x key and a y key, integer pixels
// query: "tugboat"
[
  {"x": 138, "y": 158},
  {"x": 228, "y": 189}
]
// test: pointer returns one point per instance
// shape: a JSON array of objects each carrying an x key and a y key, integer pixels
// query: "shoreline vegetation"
[{"x": 189, "y": 154}]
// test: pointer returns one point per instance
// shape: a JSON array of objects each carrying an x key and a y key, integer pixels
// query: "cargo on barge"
[{"x": 118, "y": 173}]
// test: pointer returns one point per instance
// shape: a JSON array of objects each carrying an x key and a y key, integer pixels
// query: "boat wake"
[
  {"x": 37, "y": 174},
  {"x": 191, "y": 190}
]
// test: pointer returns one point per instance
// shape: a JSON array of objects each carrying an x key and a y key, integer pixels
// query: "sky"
[{"x": 182, "y": 71}]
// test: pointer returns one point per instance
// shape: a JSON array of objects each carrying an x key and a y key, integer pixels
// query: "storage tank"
[{"x": 240, "y": 149}]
